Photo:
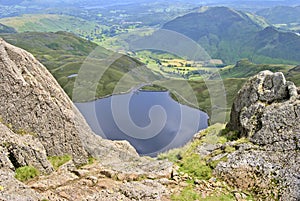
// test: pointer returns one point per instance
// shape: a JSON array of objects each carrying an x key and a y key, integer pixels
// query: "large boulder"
[
  {"x": 262, "y": 90},
  {"x": 267, "y": 112}
]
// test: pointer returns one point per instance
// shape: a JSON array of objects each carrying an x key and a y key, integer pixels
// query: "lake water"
[{"x": 151, "y": 121}]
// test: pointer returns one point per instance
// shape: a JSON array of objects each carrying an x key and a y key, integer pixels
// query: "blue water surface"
[{"x": 151, "y": 121}]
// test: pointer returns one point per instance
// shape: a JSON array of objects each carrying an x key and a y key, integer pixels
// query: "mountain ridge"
[{"x": 232, "y": 35}]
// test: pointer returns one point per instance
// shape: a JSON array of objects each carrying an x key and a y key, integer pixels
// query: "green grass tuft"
[
  {"x": 25, "y": 173},
  {"x": 173, "y": 155},
  {"x": 214, "y": 164},
  {"x": 195, "y": 167},
  {"x": 225, "y": 197},
  {"x": 58, "y": 161},
  {"x": 229, "y": 149},
  {"x": 230, "y": 135},
  {"x": 22, "y": 131},
  {"x": 187, "y": 194},
  {"x": 91, "y": 160}
]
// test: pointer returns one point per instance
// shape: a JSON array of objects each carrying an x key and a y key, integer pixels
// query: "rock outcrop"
[
  {"x": 267, "y": 112},
  {"x": 31, "y": 100},
  {"x": 95, "y": 182},
  {"x": 12, "y": 189},
  {"x": 19, "y": 150}
]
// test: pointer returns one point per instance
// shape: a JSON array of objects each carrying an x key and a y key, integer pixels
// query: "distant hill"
[
  {"x": 244, "y": 69},
  {"x": 283, "y": 17},
  {"x": 231, "y": 35},
  {"x": 50, "y": 23},
  {"x": 6, "y": 29},
  {"x": 281, "y": 14},
  {"x": 64, "y": 53},
  {"x": 273, "y": 46}
]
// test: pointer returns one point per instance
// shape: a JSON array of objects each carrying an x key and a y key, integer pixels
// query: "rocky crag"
[
  {"x": 257, "y": 154},
  {"x": 39, "y": 121},
  {"x": 266, "y": 112}
]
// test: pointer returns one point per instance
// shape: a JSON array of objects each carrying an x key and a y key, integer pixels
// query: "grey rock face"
[
  {"x": 267, "y": 111},
  {"x": 261, "y": 90},
  {"x": 32, "y": 100},
  {"x": 146, "y": 190},
  {"x": 22, "y": 150},
  {"x": 4, "y": 160},
  {"x": 13, "y": 190}
]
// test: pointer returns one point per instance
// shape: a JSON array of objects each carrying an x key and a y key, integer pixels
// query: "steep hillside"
[
  {"x": 273, "y": 46},
  {"x": 64, "y": 54},
  {"x": 232, "y": 35},
  {"x": 220, "y": 30}
]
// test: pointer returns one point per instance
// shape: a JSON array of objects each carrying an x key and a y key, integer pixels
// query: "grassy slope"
[
  {"x": 245, "y": 69},
  {"x": 231, "y": 85},
  {"x": 283, "y": 17},
  {"x": 273, "y": 46},
  {"x": 200, "y": 169},
  {"x": 221, "y": 38}
]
